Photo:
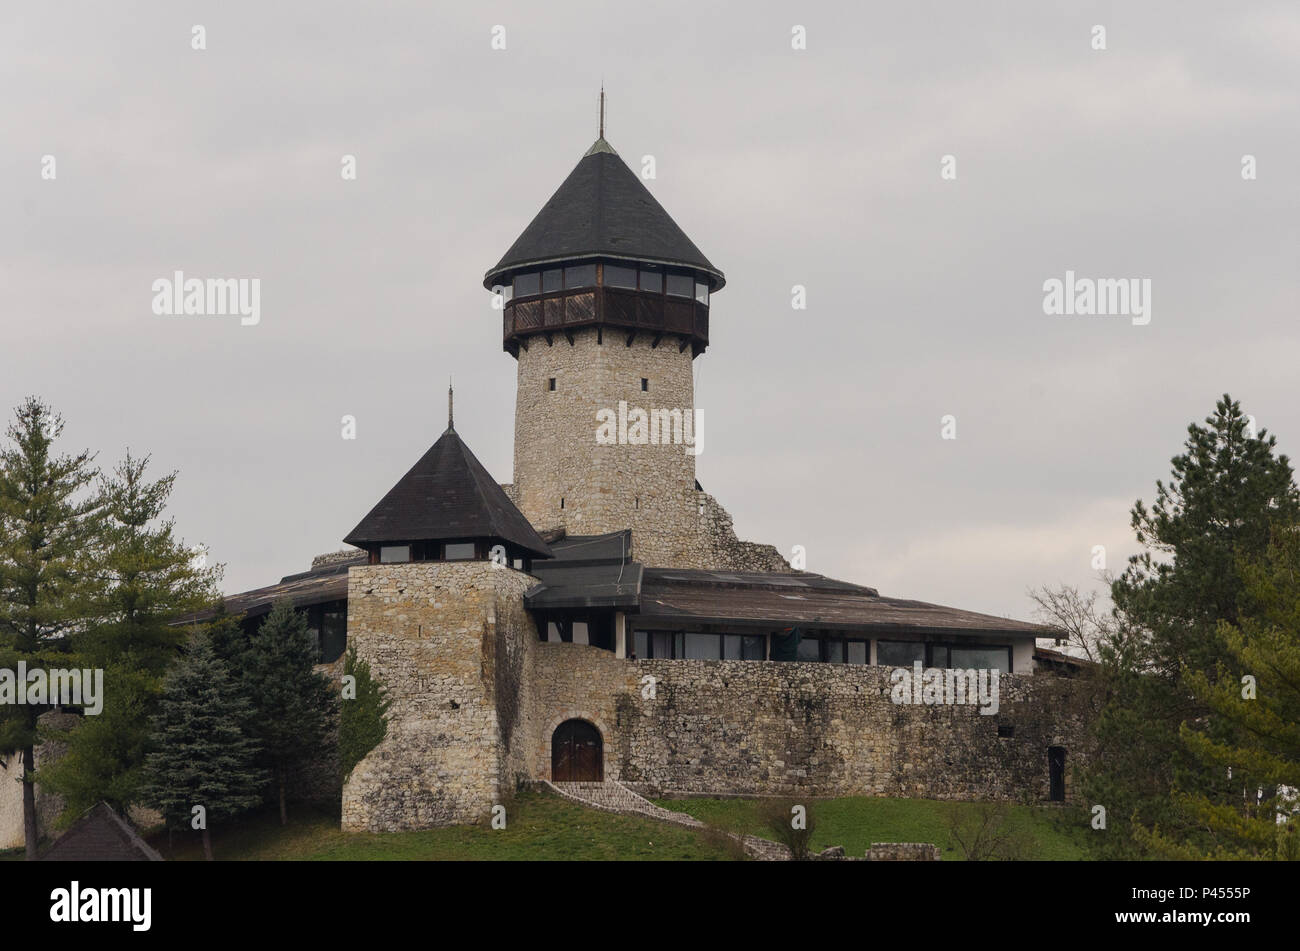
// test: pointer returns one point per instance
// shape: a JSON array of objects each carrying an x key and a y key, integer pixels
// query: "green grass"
[
  {"x": 856, "y": 822},
  {"x": 543, "y": 827},
  {"x": 539, "y": 827}
]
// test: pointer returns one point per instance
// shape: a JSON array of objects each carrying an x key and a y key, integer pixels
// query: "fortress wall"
[
  {"x": 768, "y": 728},
  {"x": 430, "y": 633}
]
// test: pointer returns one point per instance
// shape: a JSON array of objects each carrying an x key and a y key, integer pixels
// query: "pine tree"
[
  {"x": 201, "y": 756},
  {"x": 148, "y": 579},
  {"x": 1262, "y": 756},
  {"x": 1228, "y": 494},
  {"x": 363, "y": 720},
  {"x": 48, "y": 531},
  {"x": 295, "y": 707}
]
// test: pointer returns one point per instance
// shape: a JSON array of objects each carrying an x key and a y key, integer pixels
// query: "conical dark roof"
[
  {"x": 602, "y": 209},
  {"x": 447, "y": 495}
]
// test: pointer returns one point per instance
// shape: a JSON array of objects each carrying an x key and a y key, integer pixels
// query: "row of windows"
[
  {"x": 646, "y": 277},
  {"x": 959, "y": 657},
  {"x": 693, "y": 645},
  {"x": 429, "y": 551}
]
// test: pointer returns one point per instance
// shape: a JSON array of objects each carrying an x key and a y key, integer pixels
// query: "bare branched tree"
[{"x": 1081, "y": 625}]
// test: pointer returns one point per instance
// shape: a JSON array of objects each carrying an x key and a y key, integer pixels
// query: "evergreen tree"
[
  {"x": 1228, "y": 493},
  {"x": 201, "y": 756},
  {"x": 363, "y": 720},
  {"x": 48, "y": 530},
  {"x": 148, "y": 579},
  {"x": 1261, "y": 759},
  {"x": 294, "y": 707}
]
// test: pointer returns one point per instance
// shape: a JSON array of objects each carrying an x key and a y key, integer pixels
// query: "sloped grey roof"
[
  {"x": 602, "y": 210},
  {"x": 587, "y": 571},
  {"x": 761, "y": 598},
  {"x": 447, "y": 495},
  {"x": 100, "y": 835}
]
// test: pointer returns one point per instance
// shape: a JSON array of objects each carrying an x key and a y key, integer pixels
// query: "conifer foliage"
[
  {"x": 295, "y": 708},
  {"x": 48, "y": 526},
  {"x": 204, "y": 768}
]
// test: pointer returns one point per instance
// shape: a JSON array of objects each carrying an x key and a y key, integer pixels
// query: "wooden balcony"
[{"x": 622, "y": 315}]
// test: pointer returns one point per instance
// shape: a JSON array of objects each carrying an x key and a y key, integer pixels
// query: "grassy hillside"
[
  {"x": 543, "y": 827},
  {"x": 856, "y": 822},
  {"x": 539, "y": 827}
]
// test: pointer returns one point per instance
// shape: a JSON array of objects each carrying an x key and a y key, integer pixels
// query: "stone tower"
[{"x": 606, "y": 306}]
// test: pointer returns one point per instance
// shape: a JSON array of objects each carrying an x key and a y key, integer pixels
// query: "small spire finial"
[
  {"x": 450, "y": 418},
  {"x": 602, "y": 108}
]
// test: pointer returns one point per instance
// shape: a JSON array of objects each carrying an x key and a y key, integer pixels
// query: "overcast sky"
[{"x": 818, "y": 167}]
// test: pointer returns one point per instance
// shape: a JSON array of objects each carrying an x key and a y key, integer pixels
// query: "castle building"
[{"x": 597, "y": 618}]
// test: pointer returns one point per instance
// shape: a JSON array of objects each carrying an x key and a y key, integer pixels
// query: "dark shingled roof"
[
  {"x": 588, "y": 571},
  {"x": 317, "y": 586},
  {"x": 602, "y": 210},
  {"x": 100, "y": 835},
  {"x": 759, "y": 598},
  {"x": 447, "y": 495}
]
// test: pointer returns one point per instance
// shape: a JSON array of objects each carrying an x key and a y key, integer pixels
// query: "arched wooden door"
[{"x": 577, "y": 753}]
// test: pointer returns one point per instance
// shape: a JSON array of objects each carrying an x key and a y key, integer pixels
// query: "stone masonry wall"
[
  {"x": 725, "y": 550},
  {"x": 564, "y": 478},
  {"x": 448, "y": 641},
  {"x": 769, "y": 728},
  {"x": 647, "y": 488}
]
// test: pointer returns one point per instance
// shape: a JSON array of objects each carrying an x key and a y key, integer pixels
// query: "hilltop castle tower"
[{"x": 606, "y": 306}]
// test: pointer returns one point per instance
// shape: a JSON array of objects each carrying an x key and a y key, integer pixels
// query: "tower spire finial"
[
  {"x": 602, "y": 108},
  {"x": 450, "y": 419}
]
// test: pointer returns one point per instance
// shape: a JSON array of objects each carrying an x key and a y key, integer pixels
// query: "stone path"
[{"x": 615, "y": 797}]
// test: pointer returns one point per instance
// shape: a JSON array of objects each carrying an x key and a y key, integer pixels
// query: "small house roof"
[
  {"x": 100, "y": 835},
  {"x": 447, "y": 495}
]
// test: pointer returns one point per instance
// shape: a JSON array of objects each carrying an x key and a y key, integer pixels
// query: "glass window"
[
  {"x": 552, "y": 280},
  {"x": 618, "y": 276},
  {"x": 641, "y": 643},
  {"x": 702, "y": 292},
  {"x": 753, "y": 647},
  {"x": 981, "y": 658},
  {"x": 731, "y": 647},
  {"x": 582, "y": 275},
  {"x": 681, "y": 285},
  {"x": 661, "y": 644},
  {"x": 834, "y": 651},
  {"x": 899, "y": 653},
  {"x": 334, "y": 635},
  {"x": 701, "y": 646},
  {"x": 858, "y": 653},
  {"x": 394, "y": 553},
  {"x": 938, "y": 655},
  {"x": 458, "y": 551},
  {"x": 580, "y": 632},
  {"x": 652, "y": 279},
  {"x": 809, "y": 649},
  {"x": 526, "y": 284}
]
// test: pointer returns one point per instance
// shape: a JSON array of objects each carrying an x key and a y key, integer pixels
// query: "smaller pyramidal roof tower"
[
  {"x": 447, "y": 508},
  {"x": 606, "y": 306}
]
